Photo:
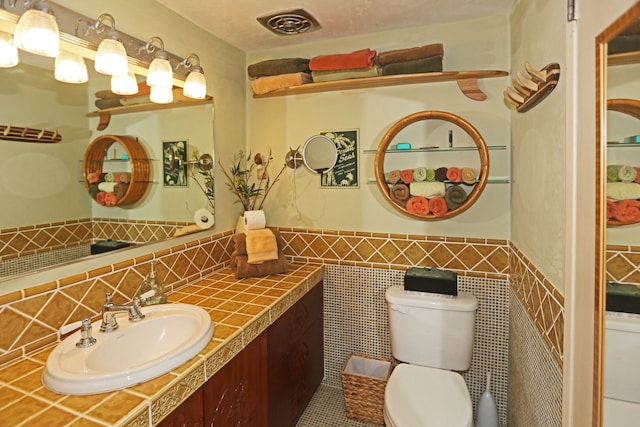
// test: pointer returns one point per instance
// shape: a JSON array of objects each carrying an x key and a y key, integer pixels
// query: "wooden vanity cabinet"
[{"x": 188, "y": 414}]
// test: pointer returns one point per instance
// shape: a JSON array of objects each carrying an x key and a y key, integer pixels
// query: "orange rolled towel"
[
  {"x": 637, "y": 175},
  {"x": 612, "y": 209},
  {"x": 267, "y": 84},
  {"x": 468, "y": 176},
  {"x": 453, "y": 174},
  {"x": 110, "y": 199},
  {"x": 100, "y": 197},
  {"x": 343, "y": 61},
  {"x": 406, "y": 176},
  {"x": 418, "y": 205},
  {"x": 628, "y": 211},
  {"x": 438, "y": 206}
]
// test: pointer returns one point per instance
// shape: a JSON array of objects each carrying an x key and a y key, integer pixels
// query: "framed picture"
[
  {"x": 174, "y": 175},
  {"x": 345, "y": 173}
]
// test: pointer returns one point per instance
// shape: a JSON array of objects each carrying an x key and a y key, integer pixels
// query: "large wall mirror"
[
  {"x": 618, "y": 150},
  {"x": 41, "y": 184}
]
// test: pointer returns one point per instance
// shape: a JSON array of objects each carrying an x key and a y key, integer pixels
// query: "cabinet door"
[
  {"x": 237, "y": 394},
  {"x": 188, "y": 414},
  {"x": 296, "y": 359}
]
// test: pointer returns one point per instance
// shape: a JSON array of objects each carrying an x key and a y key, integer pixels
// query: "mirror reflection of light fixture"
[
  {"x": 8, "y": 51},
  {"x": 37, "y": 31},
  {"x": 161, "y": 94},
  {"x": 196, "y": 84},
  {"x": 70, "y": 68},
  {"x": 160, "y": 72},
  {"x": 124, "y": 85},
  {"x": 111, "y": 57}
]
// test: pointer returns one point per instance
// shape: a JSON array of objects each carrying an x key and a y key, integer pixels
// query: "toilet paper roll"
[
  {"x": 254, "y": 220},
  {"x": 107, "y": 187},
  {"x": 203, "y": 218}
]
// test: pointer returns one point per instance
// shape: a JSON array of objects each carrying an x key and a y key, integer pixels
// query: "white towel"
[
  {"x": 427, "y": 189},
  {"x": 623, "y": 190}
]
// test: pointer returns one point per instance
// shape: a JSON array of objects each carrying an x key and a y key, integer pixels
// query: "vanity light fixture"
[
  {"x": 124, "y": 85},
  {"x": 37, "y": 31},
  {"x": 196, "y": 84},
  {"x": 8, "y": 51},
  {"x": 160, "y": 72},
  {"x": 161, "y": 94},
  {"x": 111, "y": 57},
  {"x": 70, "y": 68}
]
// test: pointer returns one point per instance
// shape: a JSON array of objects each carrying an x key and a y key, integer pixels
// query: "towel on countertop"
[
  {"x": 267, "y": 84},
  {"x": 432, "y": 64},
  {"x": 454, "y": 197},
  {"x": 410, "y": 54},
  {"x": 427, "y": 189},
  {"x": 261, "y": 246},
  {"x": 399, "y": 193},
  {"x": 343, "y": 61},
  {"x": 438, "y": 206},
  {"x": 623, "y": 190},
  {"x": 274, "y": 67},
  {"x": 420, "y": 174},
  {"x": 625, "y": 173},
  {"x": 334, "y": 75},
  {"x": 468, "y": 176},
  {"x": 418, "y": 205},
  {"x": 393, "y": 176},
  {"x": 239, "y": 259}
]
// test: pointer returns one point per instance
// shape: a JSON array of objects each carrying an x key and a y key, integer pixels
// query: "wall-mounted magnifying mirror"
[{"x": 319, "y": 154}]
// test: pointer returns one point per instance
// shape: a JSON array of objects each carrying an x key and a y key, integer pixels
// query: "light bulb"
[
  {"x": 37, "y": 32},
  {"x": 8, "y": 51},
  {"x": 111, "y": 58},
  {"x": 124, "y": 85},
  {"x": 196, "y": 85},
  {"x": 70, "y": 68},
  {"x": 160, "y": 72},
  {"x": 161, "y": 94}
]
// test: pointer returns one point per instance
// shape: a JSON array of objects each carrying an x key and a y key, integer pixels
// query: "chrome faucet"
[{"x": 110, "y": 309}]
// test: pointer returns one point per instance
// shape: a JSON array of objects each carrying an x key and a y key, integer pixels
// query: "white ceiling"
[{"x": 235, "y": 20}]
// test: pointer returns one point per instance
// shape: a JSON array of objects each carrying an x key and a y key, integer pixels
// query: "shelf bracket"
[
  {"x": 105, "y": 118},
  {"x": 470, "y": 89}
]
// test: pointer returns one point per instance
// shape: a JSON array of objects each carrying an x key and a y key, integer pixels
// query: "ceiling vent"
[{"x": 290, "y": 23}]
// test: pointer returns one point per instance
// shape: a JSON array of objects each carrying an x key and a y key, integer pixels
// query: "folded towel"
[
  {"x": 274, "y": 67},
  {"x": 427, "y": 189},
  {"x": 420, "y": 174},
  {"x": 399, "y": 193},
  {"x": 106, "y": 186},
  {"x": 441, "y": 174},
  {"x": 406, "y": 176},
  {"x": 453, "y": 174},
  {"x": 431, "y": 175},
  {"x": 267, "y": 84},
  {"x": 432, "y": 64},
  {"x": 623, "y": 190},
  {"x": 625, "y": 173},
  {"x": 261, "y": 246},
  {"x": 612, "y": 174},
  {"x": 438, "y": 206},
  {"x": 410, "y": 54},
  {"x": 612, "y": 209},
  {"x": 343, "y": 61},
  {"x": 468, "y": 176},
  {"x": 455, "y": 196},
  {"x": 393, "y": 176},
  {"x": 110, "y": 199},
  {"x": 335, "y": 75},
  {"x": 418, "y": 205},
  {"x": 243, "y": 269}
]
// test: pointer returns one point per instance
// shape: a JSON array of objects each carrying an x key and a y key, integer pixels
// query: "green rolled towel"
[
  {"x": 108, "y": 177},
  {"x": 612, "y": 174},
  {"x": 420, "y": 174},
  {"x": 625, "y": 173},
  {"x": 431, "y": 175}
]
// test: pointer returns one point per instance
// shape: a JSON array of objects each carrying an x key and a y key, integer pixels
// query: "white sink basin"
[{"x": 168, "y": 336}]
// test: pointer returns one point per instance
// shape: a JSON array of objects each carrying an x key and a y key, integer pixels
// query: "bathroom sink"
[{"x": 168, "y": 336}]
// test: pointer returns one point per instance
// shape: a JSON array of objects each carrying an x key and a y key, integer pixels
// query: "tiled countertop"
[{"x": 240, "y": 310}]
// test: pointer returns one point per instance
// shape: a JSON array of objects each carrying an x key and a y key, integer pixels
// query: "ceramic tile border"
[{"x": 623, "y": 264}]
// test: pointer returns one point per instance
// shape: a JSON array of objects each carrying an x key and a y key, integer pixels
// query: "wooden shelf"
[
  {"x": 626, "y": 106},
  {"x": 105, "y": 114},
  {"x": 467, "y": 81},
  {"x": 625, "y": 58}
]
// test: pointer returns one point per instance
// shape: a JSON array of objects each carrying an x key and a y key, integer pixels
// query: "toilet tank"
[
  {"x": 431, "y": 330},
  {"x": 621, "y": 356}
]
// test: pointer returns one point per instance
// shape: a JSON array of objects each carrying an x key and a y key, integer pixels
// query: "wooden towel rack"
[{"x": 17, "y": 133}]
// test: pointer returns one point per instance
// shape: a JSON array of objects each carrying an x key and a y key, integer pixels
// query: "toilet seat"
[{"x": 425, "y": 397}]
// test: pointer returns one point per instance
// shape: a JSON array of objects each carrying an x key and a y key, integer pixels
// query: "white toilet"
[
  {"x": 621, "y": 405},
  {"x": 433, "y": 335}
]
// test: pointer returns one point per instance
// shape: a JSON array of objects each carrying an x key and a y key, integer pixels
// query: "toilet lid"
[{"x": 422, "y": 396}]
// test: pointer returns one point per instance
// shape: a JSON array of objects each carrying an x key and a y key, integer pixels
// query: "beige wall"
[{"x": 280, "y": 123}]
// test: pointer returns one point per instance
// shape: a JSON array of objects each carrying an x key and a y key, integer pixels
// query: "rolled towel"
[
  {"x": 406, "y": 176},
  {"x": 420, "y": 174},
  {"x": 626, "y": 173},
  {"x": 427, "y": 189},
  {"x": 441, "y": 174},
  {"x": 120, "y": 189},
  {"x": 399, "y": 193},
  {"x": 468, "y": 176},
  {"x": 393, "y": 176},
  {"x": 612, "y": 174},
  {"x": 628, "y": 211},
  {"x": 343, "y": 61},
  {"x": 109, "y": 177},
  {"x": 274, "y": 67},
  {"x": 612, "y": 209},
  {"x": 433, "y": 64},
  {"x": 418, "y": 205},
  {"x": 106, "y": 186},
  {"x": 431, "y": 175},
  {"x": 401, "y": 55},
  {"x": 125, "y": 177},
  {"x": 438, "y": 206},
  {"x": 267, "y": 84},
  {"x": 93, "y": 190},
  {"x": 94, "y": 177},
  {"x": 454, "y": 197},
  {"x": 110, "y": 199},
  {"x": 637, "y": 175},
  {"x": 453, "y": 174},
  {"x": 623, "y": 190},
  {"x": 100, "y": 197},
  {"x": 335, "y": 75}
]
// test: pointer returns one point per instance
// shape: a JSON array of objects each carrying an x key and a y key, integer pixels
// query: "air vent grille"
[{"x": 290, "y": 23}]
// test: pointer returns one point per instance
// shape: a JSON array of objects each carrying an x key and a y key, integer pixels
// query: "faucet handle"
[{"x": 86, "y": 339}]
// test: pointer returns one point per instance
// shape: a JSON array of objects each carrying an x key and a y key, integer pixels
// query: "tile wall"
[{"x": 623, "y": 264}]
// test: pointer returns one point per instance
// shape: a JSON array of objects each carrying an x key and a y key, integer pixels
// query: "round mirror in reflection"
[{"x": 319, "y": 154}]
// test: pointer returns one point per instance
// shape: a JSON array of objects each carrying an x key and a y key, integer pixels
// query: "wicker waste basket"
[{"x": 364, "y": 379}]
